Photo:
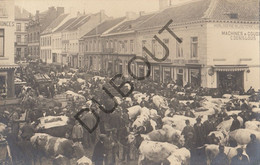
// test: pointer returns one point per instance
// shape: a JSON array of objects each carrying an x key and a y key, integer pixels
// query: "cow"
[
  {"x": 152, "y": 151},
  {"x": 84, "y": 161},
  {"x": 225, "y": 125},
  {"x": 49, "y": 146},
  {"x": 212, "y": 150},
  {"x": 253, "y": 125},
  {"x": 242, "y": 136},
  {"x": 179, "y": 157}
]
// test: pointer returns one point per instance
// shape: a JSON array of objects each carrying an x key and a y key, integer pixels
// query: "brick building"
[
  {"x": 21, "y": 41},
  {"x": 37, "y": 25}
]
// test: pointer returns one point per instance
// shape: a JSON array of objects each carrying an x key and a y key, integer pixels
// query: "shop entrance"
[{"x": 230, "y": 81}]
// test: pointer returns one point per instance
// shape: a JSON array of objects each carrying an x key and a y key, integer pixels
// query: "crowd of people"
[{"x": 109, "y": 142}]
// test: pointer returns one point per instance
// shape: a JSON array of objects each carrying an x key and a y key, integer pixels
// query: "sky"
[{"x": 114, "y": 8}]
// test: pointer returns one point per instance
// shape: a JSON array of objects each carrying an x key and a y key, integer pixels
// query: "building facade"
[
  {"x": 37, "y": 25},
  {"x": 21, "y": 40},
  {"x": 7, "y": 34},
  {"x": 48, "y": 42}
]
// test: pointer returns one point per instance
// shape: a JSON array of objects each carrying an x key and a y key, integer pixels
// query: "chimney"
[
  {"x": 78, "y": 14},
  {"x": 131, "y": 15},
  {"x": 163, "y": 4},
  {"x": 141, "y": 13},
  {"x": 60, "y": 10},
  {"x": 102, "y": 15}
]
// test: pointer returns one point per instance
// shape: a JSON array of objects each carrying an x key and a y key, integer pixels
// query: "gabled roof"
[
  {"x": 21, "y": 13},
  {"x": 191, "y": 11},
  {"x": 131, "y": 24},
  {"x": 66, "y": 24},
  {"x": 197, "y": 10},
  {"x": 55, "y": 23},
  {"x": 78, "y": 22},
  {"x": 104, "y": 26},
  {"x": 247, "y": 10}
]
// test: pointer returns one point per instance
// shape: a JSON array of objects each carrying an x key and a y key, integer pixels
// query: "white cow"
[
  {"x": 242, "y": 136},
  {"x": 155, "y": 151},
  {"x": 84, "y": 161},
  {"x": 222, "y": 136},
  {"x": 160, "y": 101},
  {"x": 134, "y": 111},
  {"x": 225, "y": 125},
  {"x": 180, "y": 157},
  {"x": 254, "y": 125},
  {"x": 178, "y": 121},
  {"x": 212, "y": 150}
]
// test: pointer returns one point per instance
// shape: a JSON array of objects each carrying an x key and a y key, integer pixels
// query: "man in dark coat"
[
  {"x": 221, "y": 158},
  {"x": 253, "y": 150},
  {"x": 235, "y": 124},
  {"x": 199, "y": 133},
  {"x": 99, "y": 150},
  {"x": 239, "y": 159}
]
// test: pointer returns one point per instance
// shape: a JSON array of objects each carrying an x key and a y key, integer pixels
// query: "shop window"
[
  {"x": 194, "y": 47},
  {"x": 2, "y": 39},
  {"x": 195, "y": 77},
  {"x": 3, "y": 85},
  {"x": 179, "y": 49}
]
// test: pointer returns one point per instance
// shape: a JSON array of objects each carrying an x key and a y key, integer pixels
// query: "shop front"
[
  {"x": 7, "y": 87},
  {"x": 230, "y": 78}
]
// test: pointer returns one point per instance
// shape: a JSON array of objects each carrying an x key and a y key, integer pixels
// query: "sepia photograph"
[{"x": 129, "y": 82}]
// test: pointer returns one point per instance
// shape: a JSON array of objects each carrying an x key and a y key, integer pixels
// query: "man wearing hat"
[
  {"x": 240, "y": 158},
  {"x": 253, "y": 150},
  {"x": 221, "y": 158},
  {"x": 235, "y": 124},
  {"x": 199, "y": 133},
  {"x": 99, "y": 150}
]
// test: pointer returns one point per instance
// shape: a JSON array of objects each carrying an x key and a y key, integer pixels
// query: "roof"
[
  {"x": 66, "y": 24},
  {"x": 21, "y": 13},
  {"x": 104, "y": 26},
  {"x": 247, "y": 10},
  {"x": 131, "y": 24},
  {"x": 78, "y": 22},
  {"x": 187, "y": 12},
  {"x": 55, "y": 23},
  {"x": 205, "y": 9}
]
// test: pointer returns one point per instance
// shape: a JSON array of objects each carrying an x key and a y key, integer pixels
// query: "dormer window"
[{"x": 232, "y": 15}]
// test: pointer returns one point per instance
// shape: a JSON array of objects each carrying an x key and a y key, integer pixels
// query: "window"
[
  {"x": 125, "y": 44},
  {"x": 94, "y": 45},
  {"x": 153, "y": 47},
  {"x": 18, "y": 38},
  {"x": 131, "y": 46},
  {"x": 18, "y": 27},
  {"x": 3, "y": 11},
  {"x": 3, "y": 85},
  {"x": 2, "y": 45},
  {"x": 194, "y": 47},
  {"x": 87, "y": 46},
  {"x": 179, "y": 49},
  {"x": 166, "y": 42},
  {"x": 143, "y": 45}
]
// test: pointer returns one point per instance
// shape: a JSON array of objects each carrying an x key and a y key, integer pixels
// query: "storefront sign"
[
  {"x": 7, "y": 23},
  {"x": 240, "y": 35}
]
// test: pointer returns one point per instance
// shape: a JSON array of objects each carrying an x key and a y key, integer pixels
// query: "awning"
[
  {"x": 14, "y": 66},
  {"x": 230, "y": 68}
]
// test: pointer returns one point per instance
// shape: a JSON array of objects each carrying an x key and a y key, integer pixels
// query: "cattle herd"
[{"x": 159, "y": 123}]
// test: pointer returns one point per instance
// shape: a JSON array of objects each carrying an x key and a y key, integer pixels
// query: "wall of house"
[{"x": 234, "y": 44}]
